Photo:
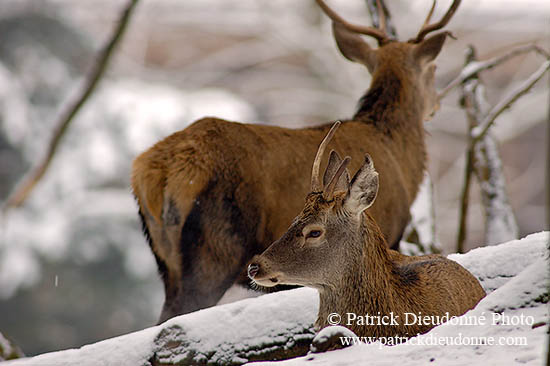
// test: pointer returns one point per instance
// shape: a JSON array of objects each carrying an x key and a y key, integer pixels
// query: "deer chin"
[{"x": 269, "y": 281}]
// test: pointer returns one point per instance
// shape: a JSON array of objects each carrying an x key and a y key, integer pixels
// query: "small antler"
[
  {"x": 379, "y": 34},
  {"x": 427, "y": 28},
  {"x": 315, "y": 179},
  {"x": 429, "y": 17},
  {"x": 329, "y": 189}
]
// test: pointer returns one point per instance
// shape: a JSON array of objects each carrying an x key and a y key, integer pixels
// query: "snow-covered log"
[
  {"x": 279, "y": 325},
  {"x": 271, "y": 327}
]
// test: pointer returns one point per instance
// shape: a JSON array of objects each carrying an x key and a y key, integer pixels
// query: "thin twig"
[
  {"x": 480, "y": 131},
  {"x": 476, "y": 67},
  {"x": 22, "y": 191},
  {"x": 373, "y": 10},
  {"x": 464, "y": 200},
  {"x": 473, "y": 111}
]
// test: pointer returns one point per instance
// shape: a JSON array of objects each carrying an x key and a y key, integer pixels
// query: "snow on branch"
[
  {"x": 420, "y": 234},
  {"x": 475, "y": 67},
  {"x": 479, "y": 131},
  {"x": 483, "y": 158}
]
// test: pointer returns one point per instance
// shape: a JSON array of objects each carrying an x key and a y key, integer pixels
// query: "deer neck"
[
  {"x": 391, "y": 103},
  {"x": 395, "y": 107},
  {"x": 366, "y": 287}
]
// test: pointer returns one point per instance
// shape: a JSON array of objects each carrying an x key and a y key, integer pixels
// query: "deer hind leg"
[
  {"x": 167, "y": 258},
  {"x": 214, "y": 244}
]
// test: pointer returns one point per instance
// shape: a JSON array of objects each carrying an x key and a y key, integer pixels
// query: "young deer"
[
  {"x": 336, "y": 247},
  {"x": 217, "y": 193}
]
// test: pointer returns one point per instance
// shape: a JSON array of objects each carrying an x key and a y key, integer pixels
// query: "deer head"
[
  {"x": 414, "y": 57},
  {"x": 315, "y": 249}
]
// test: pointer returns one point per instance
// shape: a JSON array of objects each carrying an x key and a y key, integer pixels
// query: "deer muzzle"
[{"x": 260, "y": 272}]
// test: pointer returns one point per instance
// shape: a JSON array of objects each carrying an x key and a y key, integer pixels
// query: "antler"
[
  {"x": 315, "y": 179},
  {"x": 379, "y": 34},
  {"x": 329, "y": 189},
  {"x": 427, "y": 28}
]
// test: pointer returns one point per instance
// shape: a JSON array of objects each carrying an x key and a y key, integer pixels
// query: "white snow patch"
[
  {"x": 130, "y": 349},
  {"x": 494, "y": 268},
  {"x": 18, "y": 268}
]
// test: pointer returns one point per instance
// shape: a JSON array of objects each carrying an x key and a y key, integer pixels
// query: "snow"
[
  {"x": 253, "y": 322},
  {"x": 131, "y": 349},
  {"x": 514, "y": 274},
  {"x": 18, "y": 268},
  {"x": 500, "y": 223},
  {"x": 209, "y": 332},
  {"x": 7, "y": 349},
  {"x": 422, "y": 222},
  {"x": 494, "y": 268}
]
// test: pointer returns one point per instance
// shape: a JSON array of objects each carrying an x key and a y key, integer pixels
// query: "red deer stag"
[
  {"x": 336, "y": 247},
  {"x": 216, "y": 193}
]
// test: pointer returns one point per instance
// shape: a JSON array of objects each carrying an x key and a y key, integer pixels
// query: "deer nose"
[{"x": 253, "y": 270}]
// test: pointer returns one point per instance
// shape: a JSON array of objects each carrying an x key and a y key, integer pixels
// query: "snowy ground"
[{"x": 514, "y": 274}]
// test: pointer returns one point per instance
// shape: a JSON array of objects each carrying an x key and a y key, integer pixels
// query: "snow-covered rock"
[
  {"x": 279, "y": 325},
  {"x": 8, "y": 350}
]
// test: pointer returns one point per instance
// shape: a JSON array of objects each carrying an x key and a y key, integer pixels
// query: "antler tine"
[
  {"x": 315, "y": 179},
  {"x": 427, "y": 28},
  {"x": 329, "y": 189},
  {"x": 379, "y": 34},
  {"x": 429, "y": 17}
]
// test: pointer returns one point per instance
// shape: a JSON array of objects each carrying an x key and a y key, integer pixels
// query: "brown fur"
[
  {"x": 218, "y": 192},
  {"x": 350, "y": 265}
]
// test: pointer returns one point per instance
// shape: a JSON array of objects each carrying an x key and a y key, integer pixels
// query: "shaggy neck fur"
[
  {"x": 394, "y": 106},
  {"x": 391, "y": 103}
]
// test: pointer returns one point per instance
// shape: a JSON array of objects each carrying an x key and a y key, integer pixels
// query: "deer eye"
[{"x": 313, "y": 234}]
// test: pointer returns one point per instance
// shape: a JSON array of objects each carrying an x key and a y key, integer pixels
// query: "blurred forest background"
[{"x": 74, "y": 266}]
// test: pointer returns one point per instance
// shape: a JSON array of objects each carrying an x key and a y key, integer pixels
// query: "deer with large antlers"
[
  {"x": 216, "y": 193},
  {"x": 335, "y": 246}
]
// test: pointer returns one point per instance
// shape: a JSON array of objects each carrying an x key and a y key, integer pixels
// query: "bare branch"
[
  {"x": 372, "y": 5},
  {"x": 464, "y": 202},
  {"x": 476, "y": 67},
  {"x": 548, "y": 182},
  {"x": 500, "y": 221},
  {"x": 22, "y": 190},
  {"x": 484, "y": 160},
  {"x": 472, "y": 113},
  {"x": 479, "y": 131}
]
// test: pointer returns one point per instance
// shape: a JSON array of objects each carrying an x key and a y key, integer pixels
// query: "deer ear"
[
  {"x": 363, "y": 188},
  {"x": 333, "y": 165},
  {"x": 429, "y": 48},
  {"x": 353, "y": 47}
]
